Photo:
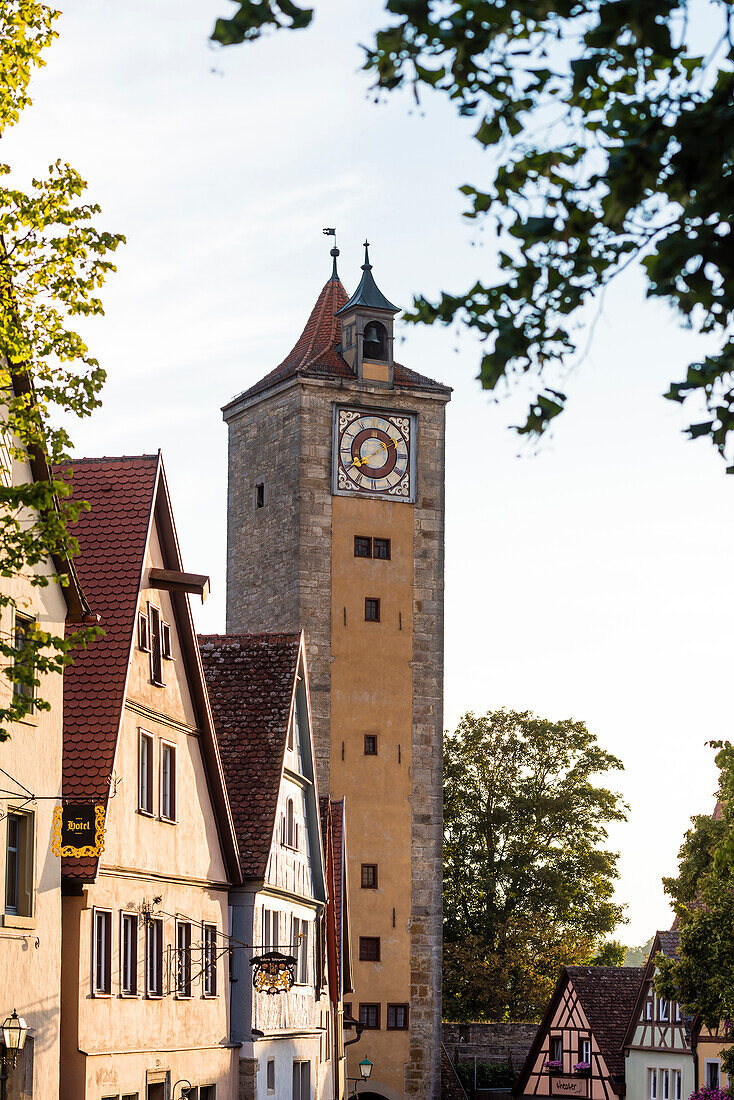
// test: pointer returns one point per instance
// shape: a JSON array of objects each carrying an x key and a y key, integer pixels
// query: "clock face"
[{"x": 373, "y": 453}]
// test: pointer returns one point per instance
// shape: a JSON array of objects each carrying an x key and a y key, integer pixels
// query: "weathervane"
[{"x": 334, "y": 252}]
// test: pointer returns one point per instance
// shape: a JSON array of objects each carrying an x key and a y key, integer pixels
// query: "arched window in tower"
[{"x": 375, "y": 341}]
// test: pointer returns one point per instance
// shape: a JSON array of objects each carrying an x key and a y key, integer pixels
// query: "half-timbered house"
[
  {"x": 659, "y": 1061},
  {"x": 577, "y": 1050},
  {"x": 145, "y": 991},
  {"x": 258, "y": 686}
]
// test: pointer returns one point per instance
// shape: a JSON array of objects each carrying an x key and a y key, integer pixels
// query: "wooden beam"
[{"x": 173, "y": 581}]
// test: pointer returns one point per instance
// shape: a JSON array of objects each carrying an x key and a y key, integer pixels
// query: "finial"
[
  {"x": 334, "y": 252},
  {"x": 366, "y": 266}
]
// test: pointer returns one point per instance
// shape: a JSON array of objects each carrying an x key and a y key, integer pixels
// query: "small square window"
[
  {"x": 381, "y": 549},
  {"x": 143, "y": 633},
  {"x": 371, "y": 610},
  {"x": 370, "y": 744},
  {"x": 397, "y": 1017},
  {"x": 260, "y": 494},
  {"x": 362, "y": 547},
  {"x": 369, "y": 1016},
  {"x": 369, "y": 876},
  {"x": 369, "y": 948}
]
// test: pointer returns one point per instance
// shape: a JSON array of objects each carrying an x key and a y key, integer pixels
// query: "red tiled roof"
[
  {"x": 112, "y": 538},
  {"x": 250, "y": 679},
  {"x": 607, "y": 995},
  {"x": 670, "y": 942},
  {"x": 315, "y": 355}
]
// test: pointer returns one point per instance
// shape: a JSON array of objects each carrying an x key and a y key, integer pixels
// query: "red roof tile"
[
  {"x": 112, "y": 538},
  {"x": 251, "y": 679},
  {"x": 315, "y": 354},
  {"x": 607, "y": 995}
]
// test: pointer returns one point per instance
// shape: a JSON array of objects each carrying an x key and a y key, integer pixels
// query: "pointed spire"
[{"x": 368, "y": 293}]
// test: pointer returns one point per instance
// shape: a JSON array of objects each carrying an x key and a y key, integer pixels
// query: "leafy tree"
[
  {"x": 52, "y": 261},
  {"x": 702, "y": 977},
  {"x": 609, "y": 123},
  {"x": 527, "y": 885},
  {"x": 637, "y": 956}
]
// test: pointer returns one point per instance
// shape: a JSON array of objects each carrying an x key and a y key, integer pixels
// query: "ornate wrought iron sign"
[
  {"x": 273, "y": 972},
  {"x": 78, "y": 830}
]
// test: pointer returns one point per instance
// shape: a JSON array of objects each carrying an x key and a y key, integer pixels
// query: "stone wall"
[{"x": 502, "y": 1042}]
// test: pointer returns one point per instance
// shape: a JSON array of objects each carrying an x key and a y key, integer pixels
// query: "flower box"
[
  {"x": 553, "y": 1066},
  {"x": 582, "y": 1069}
]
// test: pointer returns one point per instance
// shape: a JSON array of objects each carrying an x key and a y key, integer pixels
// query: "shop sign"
[
  {"x": 568, "y": 1086},
  {"x": 78, "y": 830}
]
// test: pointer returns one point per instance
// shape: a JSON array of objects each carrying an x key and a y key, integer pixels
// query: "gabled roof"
[
  {"x": 316, "y": 354},
  {"x": 125, "y": 496},
  {"x": 113, "y": 536},
  {"x": 252, "y": 680},
  {"x": 606, "y": 995},
  {"x": 666, "y": 943}
]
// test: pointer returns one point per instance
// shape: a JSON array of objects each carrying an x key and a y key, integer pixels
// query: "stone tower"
[{"x": 336, "y": 525}]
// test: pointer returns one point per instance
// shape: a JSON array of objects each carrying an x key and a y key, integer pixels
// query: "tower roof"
[
  {"x": 368, "y": 293},
  {"x": 316, "y": 352}
]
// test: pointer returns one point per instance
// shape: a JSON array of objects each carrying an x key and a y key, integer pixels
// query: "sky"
[{"x": 590, "y": 578}]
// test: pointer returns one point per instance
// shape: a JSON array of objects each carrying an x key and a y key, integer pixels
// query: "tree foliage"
[
  {"x": 53, "y": 259},
  {"x": 610, "y": 129},
  {"x": 527, "y": 883},
  {"x": 702, "y": 977}
]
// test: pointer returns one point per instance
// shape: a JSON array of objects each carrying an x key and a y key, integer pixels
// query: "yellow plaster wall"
[
  {"x": 371, "y": 692},
  {"x": 709, "y": 1046},
  {"x": 30, "y": 948}
]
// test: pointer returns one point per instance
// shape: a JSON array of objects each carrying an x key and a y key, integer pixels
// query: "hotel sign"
[
  {"x": 78, "y": 830},
  {"x": 568, "y": 1086}
]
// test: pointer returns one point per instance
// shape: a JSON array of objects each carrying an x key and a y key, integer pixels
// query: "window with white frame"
[
  {"x": 156, "y": 645},
  {"x": 19, "y": 870},
  {"x": 677, "y": 1084},
  {"x": 677, "y": 1012},
  {"x": 301, "y": 1081},
  {"x": 665, "y": 1084},
  {"x": 663, "y": 1010},
  {"x": 300, "y": 949},
  {"x": 102, "y": 952},
  {"x": 209, "y": 948},
  {"x": 713, "y": 1072},
  {"x": 270, "y": 930},
  {"x": 145, "y": 772},
  {"x": 183, "y": 958},
  {"x": 154, "y": 957},
  {"x": 23, "y": 688},
  {"x": 648, "y": 1009},
  {"x": 652, "y": 1084},
  {"x": 168, "y": 781},
  {"x": 585, "y": 1051},
  {"x": 129, "y": 955},
  {"x": 556, "y": 1048}
]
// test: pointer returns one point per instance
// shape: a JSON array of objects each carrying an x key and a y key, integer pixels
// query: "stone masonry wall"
[
  {"x": 264, "y": 446},
  {"x": 500, "y": 1042}
]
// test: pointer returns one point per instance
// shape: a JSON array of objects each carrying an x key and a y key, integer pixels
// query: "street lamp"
[
  {"x": 14, "y": 1032},
  {"x": 365, "y": 1068}
]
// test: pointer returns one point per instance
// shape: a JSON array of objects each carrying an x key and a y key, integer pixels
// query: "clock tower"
[{"x": 336, "y": 526}]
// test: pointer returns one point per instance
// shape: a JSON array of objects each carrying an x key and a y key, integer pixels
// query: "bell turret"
[{"x": 367, "y": 329}]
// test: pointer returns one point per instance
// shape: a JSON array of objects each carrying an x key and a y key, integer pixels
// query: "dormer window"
[{"x": 375, "y": 341}]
